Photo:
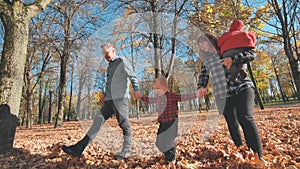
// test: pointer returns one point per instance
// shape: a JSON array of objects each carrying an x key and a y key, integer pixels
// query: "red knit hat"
[
  {"x": 236, "y": 37},
  {"x": 237, "y": 25}
]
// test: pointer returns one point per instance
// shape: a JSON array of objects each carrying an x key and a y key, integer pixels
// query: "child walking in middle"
[{"x": 167, "y": 109}]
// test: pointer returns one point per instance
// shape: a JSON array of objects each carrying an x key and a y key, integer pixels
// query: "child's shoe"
[{"x": 172, "y": 164}]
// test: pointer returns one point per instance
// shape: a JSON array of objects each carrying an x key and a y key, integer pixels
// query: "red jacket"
[{"x": 236, "y": 37}]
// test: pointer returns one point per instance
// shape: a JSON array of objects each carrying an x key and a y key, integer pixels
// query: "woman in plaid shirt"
[
  {"x": 167, "y": 108},
  {"x": 238, "y": 108}
]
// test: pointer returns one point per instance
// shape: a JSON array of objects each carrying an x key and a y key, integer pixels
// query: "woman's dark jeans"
[{"x": 239, "y": 109}]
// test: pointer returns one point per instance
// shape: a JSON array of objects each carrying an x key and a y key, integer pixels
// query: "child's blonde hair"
[{"x": 107, "y": 46}]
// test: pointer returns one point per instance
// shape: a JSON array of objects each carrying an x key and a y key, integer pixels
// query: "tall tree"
[
  {"x": 38, "y": 57},
  {"x": 262, "y": 71},
  {"x": 85, "y": 75},
  {"x": 77, "y": 20},
  {"x": 162, "y": 28},
  {"x": 285, "y": 29},
  {"x": 288, "y": 15},
  {"x": 15, "y": 16},
  {"x": 284, "y": 78}
]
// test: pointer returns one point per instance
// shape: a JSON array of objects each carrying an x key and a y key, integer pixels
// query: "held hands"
[
  {"x": 102, "y": 99},
  {"x": 227, "y": 62},
  {"x": 201, "y": 92},
  {"x": 137, "y": 95}
]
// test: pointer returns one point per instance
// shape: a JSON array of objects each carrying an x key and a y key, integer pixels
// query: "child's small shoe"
[
  {"x": 172, "y": 164},
  {"x": 264, "y": 162}
]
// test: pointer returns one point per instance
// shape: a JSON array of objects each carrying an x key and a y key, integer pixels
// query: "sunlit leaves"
[
  {"x": 217, "y": 17},
  {"x": 262, "y": 70},
  {"x": 264, "y": 13}
]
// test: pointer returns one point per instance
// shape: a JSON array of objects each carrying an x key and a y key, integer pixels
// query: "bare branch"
[{"x": 37, "y": 7}]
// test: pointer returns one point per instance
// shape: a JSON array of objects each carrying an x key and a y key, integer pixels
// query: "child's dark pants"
[{"x": 167, "y": 132}]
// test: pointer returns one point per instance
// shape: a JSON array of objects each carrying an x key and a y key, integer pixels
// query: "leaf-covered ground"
[{"x": 279, "y": 127}]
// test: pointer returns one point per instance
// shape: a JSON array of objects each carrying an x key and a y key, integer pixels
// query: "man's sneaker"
[
  {"x": 123, "y": 154},
  {"x": 77, "y": 149},
  {"x": 72, "y": 150}
]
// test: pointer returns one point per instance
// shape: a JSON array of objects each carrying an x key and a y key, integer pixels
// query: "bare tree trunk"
[
  {"x": 50, "y": 107},
  {"x": 261, "y": 105},
  {"x": 157, "y": 47},
  {"x": 63, "y": 75},
  {"x": 157, "y": 57},
  {"x": 61, "y": 93},
  {"x": 174, "y": 36},
  {"x": 29, "y": 110},
  {"x": 296, "y": 74},
  {"x": 78, "y": 105},
  {"x": 28, "y": 97},
  {"x": 294, "y": 63},
  {"x": 42, "y": 100},
  {"x": 82, "y": 78},
  {"x": 13, "y": 62},
  {"x": 89, "y": 104},
  {"x": 15, "y": 17},
  {"x": 29, "y": 102},
  {"x": 282, "y": 13},
  {"x": 44, "y": 103},
  {"x": 40, "y": 116},
  {"x": 171, "y": 65},
  {"x": 23, "y": 118},
  {"x": 278, "y": 81},
  {"x": 292, "y": 83},
  {"x": 71, "y": 94}
]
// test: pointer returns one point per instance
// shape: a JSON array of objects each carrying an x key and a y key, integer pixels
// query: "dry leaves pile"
[{"x": 279, "y": 128}]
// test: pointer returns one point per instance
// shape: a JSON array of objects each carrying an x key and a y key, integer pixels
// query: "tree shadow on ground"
[
  {"x": 23, "y": 159},
  {"x": 54, "y": 158}
]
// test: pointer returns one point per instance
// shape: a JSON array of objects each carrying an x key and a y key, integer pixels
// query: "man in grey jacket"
[{"x": 115, "y": 101}]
